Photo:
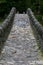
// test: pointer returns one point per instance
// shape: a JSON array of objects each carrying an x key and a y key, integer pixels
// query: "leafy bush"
[{"x": 39, "y": 18}]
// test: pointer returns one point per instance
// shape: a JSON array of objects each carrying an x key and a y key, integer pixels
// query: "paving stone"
[{"x": 21, "y": 45}]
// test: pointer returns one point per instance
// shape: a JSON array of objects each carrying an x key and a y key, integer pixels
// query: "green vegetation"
[
  {"x": 22, "y": 5},
  {"x": 39, "y": 18},
  {"x": 1, "y": 20}
]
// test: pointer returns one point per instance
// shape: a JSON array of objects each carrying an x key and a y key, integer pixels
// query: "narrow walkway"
[{"x": 21, "y": 46}]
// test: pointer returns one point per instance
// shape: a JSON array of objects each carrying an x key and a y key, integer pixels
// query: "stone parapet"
[
  {"x": 5, "y": 27},
  {"x": 37, "y": 26}
]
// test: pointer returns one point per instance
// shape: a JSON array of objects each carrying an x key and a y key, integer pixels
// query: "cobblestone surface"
[{"x": 21, "y": 47}]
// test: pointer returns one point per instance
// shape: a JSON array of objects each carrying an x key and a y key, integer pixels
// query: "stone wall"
[
  {"x": 38, "y": 28},
  {"x": 5, "y": 27}
]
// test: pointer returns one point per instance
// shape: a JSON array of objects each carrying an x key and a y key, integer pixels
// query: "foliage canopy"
[{"x": 21, "y": 5}]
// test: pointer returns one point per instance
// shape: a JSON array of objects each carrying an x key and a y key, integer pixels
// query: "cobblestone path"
[{"x": 21, "y": 47}]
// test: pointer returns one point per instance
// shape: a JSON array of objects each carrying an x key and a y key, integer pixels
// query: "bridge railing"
[
  {"x": 37, "y": 26},
  {"x": 5, "y": 27}
]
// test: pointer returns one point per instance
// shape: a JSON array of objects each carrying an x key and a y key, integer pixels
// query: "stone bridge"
[{"x": 21, "y": 35}]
